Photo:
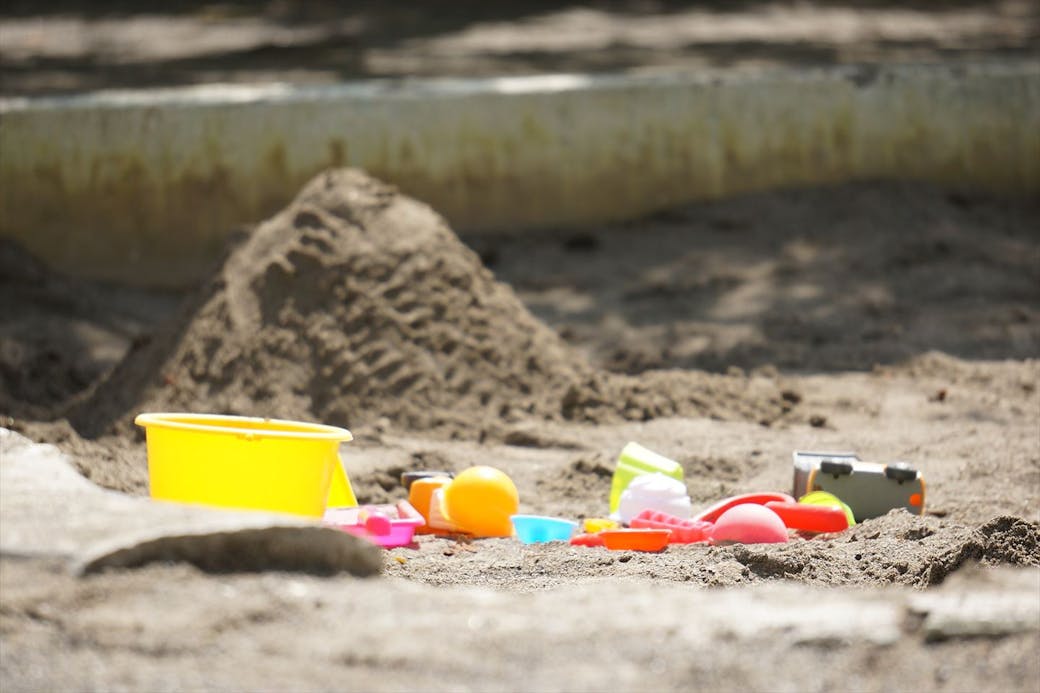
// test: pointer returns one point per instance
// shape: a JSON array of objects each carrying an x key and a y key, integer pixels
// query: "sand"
[
  {"x": 358, "y": 303},
  {"x": 897, "y": 320}
]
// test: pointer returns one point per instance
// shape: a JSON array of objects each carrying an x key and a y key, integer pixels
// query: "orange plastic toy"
[
  {"x": 420, "y": 493},
  {"x": 635, "y": 539}
]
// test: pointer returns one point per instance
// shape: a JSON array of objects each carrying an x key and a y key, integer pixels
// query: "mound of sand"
[{"x": 357, "y": 303}]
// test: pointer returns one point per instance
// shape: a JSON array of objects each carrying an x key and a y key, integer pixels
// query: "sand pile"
[
  {"x": 356, "y": 303},
  {"x": 42, "y": 359}
]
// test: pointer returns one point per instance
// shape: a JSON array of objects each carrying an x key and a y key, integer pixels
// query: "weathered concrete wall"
[{"x": 142, "y": 187}]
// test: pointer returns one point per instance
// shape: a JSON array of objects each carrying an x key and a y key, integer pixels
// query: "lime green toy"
[
  {"x": 635, "y": 460},
  {"x": 824, "y": 498}
]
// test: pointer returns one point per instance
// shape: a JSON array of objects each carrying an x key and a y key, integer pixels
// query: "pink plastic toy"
[
  {"x": 749, "y": 523},
  {"x": 388, "y": 526},
  {"x": 683, "y": 531},
  {"x": 811, "y": 518},
  {"x": 713, "y": 513}
]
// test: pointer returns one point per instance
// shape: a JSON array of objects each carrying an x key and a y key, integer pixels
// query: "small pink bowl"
[{"x": 388, "y": 526}]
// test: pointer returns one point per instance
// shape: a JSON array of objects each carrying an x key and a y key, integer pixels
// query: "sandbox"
[{"x": 506, "y": 289}]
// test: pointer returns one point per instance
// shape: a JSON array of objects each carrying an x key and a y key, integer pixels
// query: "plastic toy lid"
[
  {"x": 635, "y": 539},
  {"x": 656, "y": 491}
]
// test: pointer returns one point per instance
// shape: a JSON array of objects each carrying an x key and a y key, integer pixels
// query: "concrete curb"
[{"x": 142, "y": 187}]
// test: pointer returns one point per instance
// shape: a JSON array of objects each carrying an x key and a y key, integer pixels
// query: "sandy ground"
[{"x": 896, "y": 320}]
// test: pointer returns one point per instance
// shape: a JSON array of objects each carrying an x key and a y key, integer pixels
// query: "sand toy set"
[{"x": 294, "y": 467}]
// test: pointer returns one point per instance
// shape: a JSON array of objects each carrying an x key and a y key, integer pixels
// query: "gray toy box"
[{"x": 869, "y": 489}]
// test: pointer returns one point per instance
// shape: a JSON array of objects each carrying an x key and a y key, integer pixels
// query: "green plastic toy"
[
  {"x": 824, "y": 498},
  {"x": 634, "y": 461}
]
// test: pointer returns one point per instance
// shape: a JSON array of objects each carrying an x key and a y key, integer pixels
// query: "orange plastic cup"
[
  {"x": 635, "y": 539},
  {"x": 420, "y": 493}
]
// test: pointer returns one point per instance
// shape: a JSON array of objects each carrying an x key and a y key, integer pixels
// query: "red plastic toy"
[
  {"x": 811, "y": 518},
  {"x": 713, "y": 513},
  {"x": 587, "y": 540},
  {"x": 683, "y": 531}
]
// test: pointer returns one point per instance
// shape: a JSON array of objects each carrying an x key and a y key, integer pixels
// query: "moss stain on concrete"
[{"x": 146, "y": 194}]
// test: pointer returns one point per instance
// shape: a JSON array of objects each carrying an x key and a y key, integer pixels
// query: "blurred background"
[
  {"x": 67, "y": 46},
  {"x": 826, "y": 278}
]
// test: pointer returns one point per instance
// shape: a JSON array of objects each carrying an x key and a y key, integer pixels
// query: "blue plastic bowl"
[{"x": 535, "y": 529}]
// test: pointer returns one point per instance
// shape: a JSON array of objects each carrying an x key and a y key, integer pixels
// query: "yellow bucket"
[{"x": 244, "y": 462}]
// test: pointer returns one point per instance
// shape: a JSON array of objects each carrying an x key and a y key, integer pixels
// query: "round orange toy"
[{"x": 480, "y": 502}]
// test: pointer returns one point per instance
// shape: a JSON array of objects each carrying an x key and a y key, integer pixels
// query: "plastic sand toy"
[
  {"x": 480, "y": 501},
  {"x": 408, "y": 478},
  {"x": 654, "y": 492},
  {"x": 713, "y": 513},
  {"x": 244, "y": 462},
  {"x": 634, "y": 461},
  {"x": 420, "y": 495},
  {"x": 388, "y": 526},
  {"x": 828, "y": 499},
  {"x": 437, "y": 521},
  {"x": 749, "y": 523},
  {"x": 809, "y": 517},
  {"x": 536, "y": 529},
  {"x": 682, "y": 531},
  {"x": 587, "y": 539},
  {"x": 870, "y": 489},
  {"x": 635, "y": 539},
  {"x": 598, "y": 524}
]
